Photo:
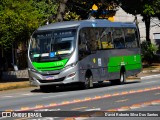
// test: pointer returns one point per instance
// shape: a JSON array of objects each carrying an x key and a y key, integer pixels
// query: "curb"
[
  {"x": 151, "y": 71},
  {"x": 14, "y": 85}
]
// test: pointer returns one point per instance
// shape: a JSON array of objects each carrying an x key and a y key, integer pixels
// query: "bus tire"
[
  {"x": 88, "y": 82},
  {"x": 121, "y": 80}
]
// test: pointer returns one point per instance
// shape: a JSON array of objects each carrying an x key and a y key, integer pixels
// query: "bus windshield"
[{"x": 52, "y": 45}]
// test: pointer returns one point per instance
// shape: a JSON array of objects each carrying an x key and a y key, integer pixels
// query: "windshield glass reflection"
[{"x": 50, "y": 46}]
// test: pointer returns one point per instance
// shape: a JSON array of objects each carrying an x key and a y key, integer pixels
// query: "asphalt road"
[{"x": 136, "y": 95}]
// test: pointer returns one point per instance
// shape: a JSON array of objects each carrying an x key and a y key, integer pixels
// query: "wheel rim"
[
  {"x": 89, "y": 82},
  {"x": 122, "y": 77}
]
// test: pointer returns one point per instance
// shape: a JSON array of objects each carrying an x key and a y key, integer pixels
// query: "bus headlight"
[
  {"x": 32, "y": 69},
  {"x": 70, "y": 65},
  {"x": 72, "y": 74}
]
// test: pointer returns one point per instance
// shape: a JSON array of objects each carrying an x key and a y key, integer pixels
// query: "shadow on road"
[{"x": 75, "y": 87}]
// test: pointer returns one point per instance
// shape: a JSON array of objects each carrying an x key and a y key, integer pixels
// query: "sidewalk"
[
  {"x": 148, "y": 71},
  {"x": 21, "y": 83}
]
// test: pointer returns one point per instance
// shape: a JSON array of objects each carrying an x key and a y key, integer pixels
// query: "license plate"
[{"x": 49, "y": 77}]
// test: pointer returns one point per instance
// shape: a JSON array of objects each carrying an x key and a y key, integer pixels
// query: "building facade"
[{"x": 122, "y": 16}]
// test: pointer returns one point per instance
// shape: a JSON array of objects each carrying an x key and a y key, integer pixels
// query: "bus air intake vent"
[{"x": 55, "y": 80}]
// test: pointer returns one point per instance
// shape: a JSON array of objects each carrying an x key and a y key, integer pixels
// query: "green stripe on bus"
[
  {"x": 48, "y": 66},
  {"x": 131, "y": 62}
]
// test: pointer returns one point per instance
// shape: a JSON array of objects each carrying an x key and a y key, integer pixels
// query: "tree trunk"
[
  {"x": 147, "y": 24},
  {"x": 61, "y": 10},
  {"x": 1, "y": 61}
]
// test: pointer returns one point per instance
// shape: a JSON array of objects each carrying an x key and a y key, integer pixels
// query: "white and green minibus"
[{"x": 83, "y": 52}]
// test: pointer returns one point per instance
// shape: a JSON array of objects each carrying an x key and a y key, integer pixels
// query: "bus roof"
[{"x": 86, "y": 23}]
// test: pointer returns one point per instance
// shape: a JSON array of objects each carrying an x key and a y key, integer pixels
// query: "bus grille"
[
  {"x": 44, "y": 74},
  {"x": 50, "y": 68},
  {"x": 55, "y": 80}
]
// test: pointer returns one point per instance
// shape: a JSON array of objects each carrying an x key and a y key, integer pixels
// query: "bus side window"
[
  {"x": 81, "y": 42},
  {"x": 131, "y": 38},
  {"x": 106, "y": 39},
  {"x": 93, "y": 39},
  {"x": 118, "y": 38},
  {"x": 137, "y": 37}
]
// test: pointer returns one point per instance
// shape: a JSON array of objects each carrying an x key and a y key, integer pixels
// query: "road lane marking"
[
  {"x": 124, "y": 93},
  {"x": 94, "y": 97},
  {"x": 39, "y": 106},
  {"x": 156, "y": 102},
  {"x": 7, "y": 96},
  {"x": 119, "y": 101},
  {"x": 54, "y": 96},
  {"x": 116, "y": 94},
  {"x": 98, "y": 97},
  {"x": 157, "y": 94},
  {"x": 93, "y": 109},
  {"x": 146, "y": 104},
  {"x": 65, "y": 102},
  {"x": 88, "y": 98},
  {"x": 77, "y": 100},
  {"x": 79, "y": 108},
  {"x": 25, "y": 108},
  {"x": 135, "y": 106},
  {"x": 28, "y": 94},
  {"x": 53, "y": 104},
  {"x": 151, "y": 82},
  {"x": 124, "y": 108},
  {"x": 9, "y": 110}
]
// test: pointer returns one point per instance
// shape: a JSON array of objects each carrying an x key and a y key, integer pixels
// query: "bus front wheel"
[{"x": 88, "y": 82}]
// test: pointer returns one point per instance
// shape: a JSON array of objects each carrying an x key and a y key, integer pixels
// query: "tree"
[
  {"x": 61, "y": 10},
  {"x": 147, "y": 8},
  {"x": 156, "y": 8},
  {"x": 47, "y": 9},
  {"x": 19, "y": 18},
  {"x": 73, "y": 9}
]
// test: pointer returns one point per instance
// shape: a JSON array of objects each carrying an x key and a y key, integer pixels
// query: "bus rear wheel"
[{"x": 121, "y": 80}]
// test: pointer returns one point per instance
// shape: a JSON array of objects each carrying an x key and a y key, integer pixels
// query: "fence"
[{"x": 15, "y": 75}]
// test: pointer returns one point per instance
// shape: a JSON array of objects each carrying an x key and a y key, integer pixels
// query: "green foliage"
[
  {"x": 144, "y": 7},
  {"x": 83, "y": 7},
  {"x": 47, "y": 9},
  {"x": 19, "y": 18},
  {"x": 148, "y": 51},
  {"x": 156, "y": 8},
  {"x": 71, "y": 16}
]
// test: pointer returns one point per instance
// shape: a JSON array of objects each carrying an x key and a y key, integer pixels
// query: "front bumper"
[{"x": 64, "y": 77}]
